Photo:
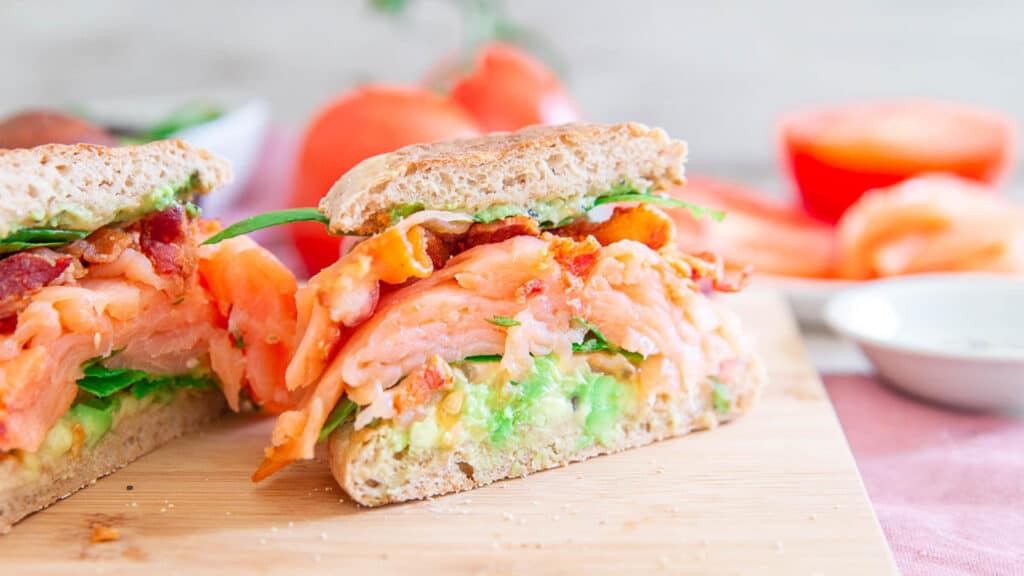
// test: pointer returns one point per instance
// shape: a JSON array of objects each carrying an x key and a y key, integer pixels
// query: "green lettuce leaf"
[
  {"x": 267, "y": 220},
  {"x": 623, "y": 192},
  {"x": 102, "y": 382},
  {"x": 38, "y": 237},
  {"x": 595, "y": 341},
  {"x": 483, "y": 358},
  {"x": 345, "y": 409}
]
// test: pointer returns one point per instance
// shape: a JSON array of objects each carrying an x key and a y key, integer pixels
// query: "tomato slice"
[
  {"x": 836, "y": 154},
  {"x": 774, "y": 237},
  {"x": 362, "y": 123},
  {"x": 508, "y": 89}
]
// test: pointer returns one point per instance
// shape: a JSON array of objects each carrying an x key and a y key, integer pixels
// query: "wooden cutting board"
[{"x": 776, "y": 492}]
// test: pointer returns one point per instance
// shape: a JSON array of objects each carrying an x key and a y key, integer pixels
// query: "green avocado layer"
[
  {"x": 559, "y": 212},
  {"x": 506, "y": 413},
  {"x": 90, "y": 418}
]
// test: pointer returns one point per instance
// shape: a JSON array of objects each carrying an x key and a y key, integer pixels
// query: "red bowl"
[{"x": 836, "y": 154}]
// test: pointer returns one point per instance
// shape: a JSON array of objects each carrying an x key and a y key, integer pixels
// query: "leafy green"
[
  {"x": 102, "y": 382},
  {"x": 267, "y": 220},
  {"x": 341, "y": 412},
  {"x": 503, "y": 321},
  {"x": 389, "y": 6},
  {"x": 187, "y": 116},
  {"x": 483, "y": 358},
  {"x": 624, "y": 192},
  {"x": 401, "y": 211},
  {"x": 595, "y": 341},
  {"x": 37, "y": 238},
  {"x": 192, "y": 210},
  {"x": 721, "y": 398},
  {"x": 236, "y": 340}
]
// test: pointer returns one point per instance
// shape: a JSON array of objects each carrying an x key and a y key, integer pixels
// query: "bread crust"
[
  {"x": 85, "y": 187},
  {"x": 132, "y": 436},
  {"x": 536, "y": 164},
  {"x": 372, "y": 475}
]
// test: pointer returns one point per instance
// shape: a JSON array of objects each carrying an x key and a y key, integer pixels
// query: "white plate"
[
  {"x": 955, "y": 339},
  {"x": 807, "y": 296}
]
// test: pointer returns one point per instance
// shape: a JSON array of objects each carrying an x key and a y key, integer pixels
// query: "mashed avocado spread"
[
  {"x": 90, "y": 418},
  {"x": 506, "y": 413}
]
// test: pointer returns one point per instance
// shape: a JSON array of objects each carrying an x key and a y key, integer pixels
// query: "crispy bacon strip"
[
  {"x": 707, "y": 271},
  {"x": 163, "y": 238},
  {"x": 422, "y": 382},
  {"x": 102, "y": 246},
  {"x": 26, "y": 272},
  {"x": 501, "y": 230},
  {"x": 641, "y": 223},
  {"x": 576, "y": 257}
]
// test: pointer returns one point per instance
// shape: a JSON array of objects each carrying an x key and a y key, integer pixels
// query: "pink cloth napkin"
[{"x": 947, "y": 486}]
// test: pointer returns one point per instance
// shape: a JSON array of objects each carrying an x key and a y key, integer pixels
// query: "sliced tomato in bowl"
[
  {"x": 507, "y": 89},
  {"x": 836, "y": 154},
  {"x": 364, "y": 122}
]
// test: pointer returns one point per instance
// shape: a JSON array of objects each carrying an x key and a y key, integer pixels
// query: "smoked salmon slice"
[
  {"x": 526, "y": 296},
  {"x": 150, "y": 300}
]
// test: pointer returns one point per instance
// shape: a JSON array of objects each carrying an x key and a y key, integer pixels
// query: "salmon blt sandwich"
[
  {"x": 492, "y": 322},
  {"x": 118, "y": 330}
]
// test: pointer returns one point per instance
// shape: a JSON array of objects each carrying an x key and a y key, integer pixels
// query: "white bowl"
[
  {"x": 237, "y": 135},
  {"x": 955, "y": 339}
]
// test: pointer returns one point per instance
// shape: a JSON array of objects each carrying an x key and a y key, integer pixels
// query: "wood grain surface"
[{"x": 775, "y": 493}]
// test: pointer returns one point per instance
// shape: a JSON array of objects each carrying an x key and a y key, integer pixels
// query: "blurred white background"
[{"x": 718, "y": 74}]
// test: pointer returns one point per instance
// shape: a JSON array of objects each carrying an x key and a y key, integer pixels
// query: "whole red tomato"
[
  {"x": 836, "y": 154},
  {"x": 508, "y": 89},
  {"x": 365, "y": 122}
]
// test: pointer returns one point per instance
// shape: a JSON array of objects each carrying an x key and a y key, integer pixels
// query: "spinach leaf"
[
  {"x": 38, "y": 237},
  {"x": 341, "y": 412},
  {"x": 267, "y": 220},
  {"x": 104, "y": 382},
  {"x": 595, "y": 341},
  {"x": 623, "y": 192},
  {"x": 483, "y": 358}
]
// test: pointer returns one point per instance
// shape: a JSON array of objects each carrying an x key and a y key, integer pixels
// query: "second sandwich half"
[{"x": 494, "y": 322}]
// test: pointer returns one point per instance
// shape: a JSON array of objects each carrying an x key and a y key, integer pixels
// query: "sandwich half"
[
  {"x": 516, "y": 303},
  {"x": 118, "y": 330}
]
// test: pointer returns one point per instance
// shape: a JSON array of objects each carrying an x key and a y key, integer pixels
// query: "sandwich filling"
[
  {"x": 445, "y": 329},
  {"x": 98, "y": 324},
  {"x": 562, "y": 211}
]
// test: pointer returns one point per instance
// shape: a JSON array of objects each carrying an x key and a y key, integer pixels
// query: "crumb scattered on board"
[{"x": 104, "y": 533}]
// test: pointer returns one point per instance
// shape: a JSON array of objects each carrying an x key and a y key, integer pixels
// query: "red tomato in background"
[
  {"x": 508, "y": 89},
  {"x": 772, "y": 236},
  {"x": 834, "y": 155},
  {"x": 362, "y": 123}
]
